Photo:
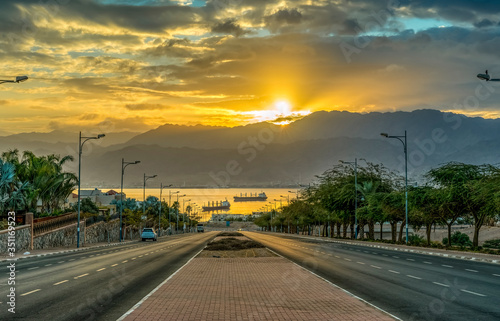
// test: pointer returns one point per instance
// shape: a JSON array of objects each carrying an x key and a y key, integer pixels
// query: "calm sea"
[{"x": 203, "y": 196}]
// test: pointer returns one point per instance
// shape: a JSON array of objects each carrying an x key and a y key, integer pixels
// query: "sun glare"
[{"x": 279, "y": 113}]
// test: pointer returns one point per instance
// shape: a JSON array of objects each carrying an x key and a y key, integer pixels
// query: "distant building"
[
  {"x": 97, "y": 196},
  {"x": 225, "y": 217}
]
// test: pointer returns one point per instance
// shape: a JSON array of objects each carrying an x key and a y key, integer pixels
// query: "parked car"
[{"x": 148, "y": 233}]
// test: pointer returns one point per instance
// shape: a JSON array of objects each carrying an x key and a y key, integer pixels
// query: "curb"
[{"x": 426, "y": 252}]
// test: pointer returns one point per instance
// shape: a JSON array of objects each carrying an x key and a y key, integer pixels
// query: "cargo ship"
[
  {"x": 216, "y": 205},
  {"x": 252, "y": 198}
]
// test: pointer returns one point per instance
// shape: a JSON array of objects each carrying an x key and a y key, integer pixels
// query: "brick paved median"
[{"x": 260, "y": 288}]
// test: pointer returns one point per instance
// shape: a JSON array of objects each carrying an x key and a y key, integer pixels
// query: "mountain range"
[{"x": 264, "y": 154}]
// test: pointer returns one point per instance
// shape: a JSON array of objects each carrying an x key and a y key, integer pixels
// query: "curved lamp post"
[
  {"x": 405, "y": 146},
  {"x": 124, "y": 164},
  {"x": 18, "y": 79},
  {"x": 80, "y": 145},
  {"x": 144, "y": 193}
]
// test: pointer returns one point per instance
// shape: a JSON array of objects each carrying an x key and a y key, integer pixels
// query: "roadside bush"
[
  {"x": 458, "y": 239},
  {"x": 492, "y": 244},
  {"x": 416, "y": 240}
]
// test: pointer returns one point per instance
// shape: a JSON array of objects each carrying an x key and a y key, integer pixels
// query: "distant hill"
[{"x": 267, "y": 154}]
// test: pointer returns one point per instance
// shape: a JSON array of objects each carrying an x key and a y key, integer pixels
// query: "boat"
[
  {"x": 216, "y": 205},
  {"x": 252, "y": 198}
]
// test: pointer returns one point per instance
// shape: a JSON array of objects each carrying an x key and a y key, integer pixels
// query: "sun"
[{"x": 283, "y": 108}]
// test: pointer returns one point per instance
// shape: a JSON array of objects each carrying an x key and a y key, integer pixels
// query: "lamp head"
[
  {"x": 21, "y": 78},
  {"x": 385, "y": 135},
  {"x": 100, "y": 136},
  {"x": 137, "y": 162}
]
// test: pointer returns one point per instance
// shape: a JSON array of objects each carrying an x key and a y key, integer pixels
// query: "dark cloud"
[
  {"x": 282, "y": 18},
  {"x": 351, "y": 27},
  {"x": 228, "y": 27},
  {"x": 483, "y": 23}
]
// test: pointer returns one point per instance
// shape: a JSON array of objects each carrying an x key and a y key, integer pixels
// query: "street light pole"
[
  {"x": 177, "y": 211},
  {"x": 80, "y": 145},
  {"x": 124, "y": 164},
  {"x": 405, "y": 146},
  {"x": 144, "y": 193},
  {"x": 159, "y": 214}
]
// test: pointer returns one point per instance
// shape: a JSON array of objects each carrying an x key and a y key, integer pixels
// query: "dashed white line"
[
  {"x": 448, "y": 266},
  {"x": 60, "y": 282},
  {"x": 427, "y": 262},
  {"x": 347, "y": 259},
  {"x": 410, "y": 260},
  {"x": 48, "y": 264},
  {"x": 101, "y": 270},
  {"x": 413, "y": 277},
  {"x": 376, "y": 267},
  {"x": 80, "y": 276},
  {"x": 114, "y": 265},
  {"x": 30, "y": 292},
  {"x": 338, "y": 257},
  {"x": 475, "y": 293},
  {"x": 496, "y": 274},
  {"x": 71, "y": 260},
  {"x": 61, "y": 262},
  {"x": 475, "y": 271},
  {"x": 125, "y": 261},
  {"x": 36, "y": 267},
  {"x": 396, "y": 272},
  {"x": 396, "y": 257},
  {"x": 133, "y": 258},
  {"x": 441, "y": 284},
  {"x": 360, "y": 263}
]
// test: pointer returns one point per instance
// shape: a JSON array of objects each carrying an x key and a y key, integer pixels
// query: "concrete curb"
[{"x": 409, "y": 250}]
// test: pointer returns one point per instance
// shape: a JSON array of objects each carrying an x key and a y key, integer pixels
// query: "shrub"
[
  {"x": 492, "y": 244},
  {"x": 416, "y": 240},
  {"x": 458, "y": 239}
]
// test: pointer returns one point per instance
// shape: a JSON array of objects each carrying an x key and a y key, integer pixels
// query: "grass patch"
[
  {"x": 232, "y": 244},
  {"x": 230, "y": 234}
]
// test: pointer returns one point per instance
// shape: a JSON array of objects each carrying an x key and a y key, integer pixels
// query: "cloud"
[
  {"x": 147, "y": 107},
  {"x": 483, "y": 23},
  {"x": 282, "y": 18},
  {"x": 228, "y": 27}
]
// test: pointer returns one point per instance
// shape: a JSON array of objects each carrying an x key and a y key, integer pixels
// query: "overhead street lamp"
[
  {"x": 80, "y": 145},
  {"x": 124, "y": 165},
  {"x": 144, "y": 193},
  {"x": 159, "y": 215},
  {"x": 177, "y": 214},
  {"x": 170, "y": 206},
  {"x": 184, "y": 212},
  {"x": 405, "y": 146},
  {"x": 18, "y": 79},
  {"x": 355, "y": 163}
]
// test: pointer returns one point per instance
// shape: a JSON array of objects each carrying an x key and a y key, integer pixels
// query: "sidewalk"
[{"x": 259, "y": 288}]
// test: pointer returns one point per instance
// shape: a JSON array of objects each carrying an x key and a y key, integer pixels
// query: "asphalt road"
[
  {"x": 95, "y": 284},
  {"x": 409, "y": 286}
]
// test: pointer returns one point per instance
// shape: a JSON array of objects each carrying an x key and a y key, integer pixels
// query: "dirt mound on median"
[{"x": 232, "y": 244}]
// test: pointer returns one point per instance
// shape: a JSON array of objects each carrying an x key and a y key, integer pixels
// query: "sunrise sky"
[{"x": 140, "y": 64}]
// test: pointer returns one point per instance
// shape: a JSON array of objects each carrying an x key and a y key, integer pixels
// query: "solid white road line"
[
  {"x": 30, "y": 292},
  {"x": 60, "y": 282},
  {"x": 475, "y": 293}
]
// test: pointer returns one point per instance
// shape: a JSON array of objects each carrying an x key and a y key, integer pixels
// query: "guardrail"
[{"x": 45, "y": 224}]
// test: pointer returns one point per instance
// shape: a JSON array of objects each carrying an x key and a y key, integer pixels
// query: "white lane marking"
[
  {"x": 374, "y": 266},
  {"x": 80, "y": 276},
  {"x": 394, "y": 271},
  {"x": 413, "y": 277},
  {"x": 140, "y": 255},
  {"x": 83, "y": 257},
  {"x": 61, "y": 262},
  {"x": 36, "y": 267},
  {"x": 48, "y": 264},
  {"x": 396, "y": 257},
  {"x": 30, "y": 292},
  {"x": 427, "y": 262},
  {"x": 60, "y": 282},
  {"x": 71, "y": 260},
  {"x": 385, "y": 255},
  {"x": 360, "y": 262},
  {"x": 475, "y": 293},
  {"x": 133, "y": 258},
  {"x": 441, "y": 284},
  {"x": 496, "y": 274},
  {"x": 91, "y": 255},
  {"x": 338, "y": 257},
  {"x": 410, "y": 260},
  {"x": 125, "y": 261},
  {"x": 101, "y": 269},
  {"x": 348, "y": 260},
  {"x": 114, "y": 265},
  {"x": 448, "y": 266},
  {"x": 475, "y": 271}
]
